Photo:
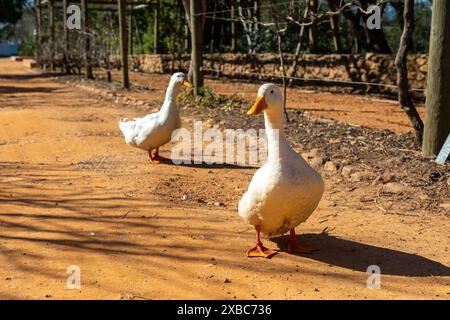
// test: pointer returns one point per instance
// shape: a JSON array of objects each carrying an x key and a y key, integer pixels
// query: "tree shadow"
[
  {"x": 30, "y": 76},
  {"x": 203, "y": 164},
  {"x": 358, "y": 256},
  {"x": 13, "y": 89}
]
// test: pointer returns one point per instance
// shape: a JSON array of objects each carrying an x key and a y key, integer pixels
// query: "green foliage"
[
  {"x": 422, "y": 30},
  {"x": 172, "y": 20},
  {"x": 207, "y": 99},
  {"x": 27, "y": 46}
]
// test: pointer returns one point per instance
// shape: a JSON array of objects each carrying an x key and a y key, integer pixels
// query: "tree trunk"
[
  {"x": 334, "y": 27},
  {"x": 298, "y": 49},
  {"x": 51, "y": 27},
  {"x": 437, "y": 120},
  {"x": 246, "y": 27},
  {"x": 358, "y": 37},
  {"x": 38, "y": 31},
  {"x": 251, "y": 29},
  {"x": 202, "y": 21},
  {"x": 283, "y": 68},
  {"x": 404, "y": 96},
  {"x": 65, "y": 37},
  {"x": 196, "y": 43},
  {"x": 86, "y": 44},
  {"x": 123, "y": 43},
  {"x": 312, "y": 4},
  {"x": 233, "y": 26}
]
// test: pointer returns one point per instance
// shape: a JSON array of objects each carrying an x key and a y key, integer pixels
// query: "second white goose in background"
[
  {"x": 155, "y": 130},
  {"x": 285, "y": 191}
]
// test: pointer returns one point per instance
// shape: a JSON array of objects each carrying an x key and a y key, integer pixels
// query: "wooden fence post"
[
  {"x": 65, "y": 36},
  {"x": 123, "y": 43},
  {"x": 196, "y": 59},
  {"x": 86, "y": 47},
  {"x": 51, "y": 26},
  {"x": 38, "y": 31},
  {"x": 437, "y": 119}
]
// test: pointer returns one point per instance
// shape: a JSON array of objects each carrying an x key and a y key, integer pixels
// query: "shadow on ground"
[{"x": 358, "y": 256}]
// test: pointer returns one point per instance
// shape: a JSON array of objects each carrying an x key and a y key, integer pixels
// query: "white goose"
[
  {"x": 286, "y": 190},
  {"x": 155, "y": 130}
]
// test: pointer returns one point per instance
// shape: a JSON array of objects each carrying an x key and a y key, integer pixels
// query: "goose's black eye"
[{"x": 271, "y": 91}]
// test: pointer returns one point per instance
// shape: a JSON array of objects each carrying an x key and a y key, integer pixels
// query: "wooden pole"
[
  {"x": 401, "y": 61},
  {"x": 38, "y": 31},
  {"x": 123, "y": 43},
  {"x": 334, "y": 23},
  {"x": 51, "y": 26},
  {"x": 86, "y": 47},
  {"x": 299, "y": 48},
  {"x": 437, "y": 119},
  {"x": 313, "y": 6},
  {"x": 156, "y": 28},
  {"x": 65, "y": 36},
  {"x": 233, "y": 26},
  {"x": 196, "y": 58}
]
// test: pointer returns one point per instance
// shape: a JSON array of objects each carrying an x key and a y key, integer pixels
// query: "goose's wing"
[
  {"x": 136, "y": 130},
  {"x": 255, "y": 195}
]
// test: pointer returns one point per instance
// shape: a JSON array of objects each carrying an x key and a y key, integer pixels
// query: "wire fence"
[
  {"x": 289, "y": 6},
  {"x": 273, "y": 5},
  {"x": 371, "y": 84},
  {"x": 283, "y": 16}
]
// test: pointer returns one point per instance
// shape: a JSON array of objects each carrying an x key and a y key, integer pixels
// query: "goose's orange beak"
[
  {"x": 187, "y": 84},
  {"x": 260, "y": 105}
]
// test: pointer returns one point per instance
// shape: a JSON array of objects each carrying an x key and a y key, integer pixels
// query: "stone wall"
[{"x": 339, "y": 69}]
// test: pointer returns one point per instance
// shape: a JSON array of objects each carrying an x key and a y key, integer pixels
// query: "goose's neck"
[
  {"x": 170, "y": 101},
  {"x": 276, "y": 141}
]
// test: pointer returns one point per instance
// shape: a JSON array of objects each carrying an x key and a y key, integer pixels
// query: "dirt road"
[{"x": 72, "y": 193}]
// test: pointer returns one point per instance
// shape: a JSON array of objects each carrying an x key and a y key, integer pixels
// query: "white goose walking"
[
  {"x": 285, "y": 191},
  {"x": 155, "y": 130}
]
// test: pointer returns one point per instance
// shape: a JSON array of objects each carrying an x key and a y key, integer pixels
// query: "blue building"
[{"x": 8, "y": 49}]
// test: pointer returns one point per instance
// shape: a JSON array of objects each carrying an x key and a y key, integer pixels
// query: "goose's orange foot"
[
  {"x": 154, "y": 159},
  {"x": 157, "y": 159},
  {"x": 260, "y": 251},
  {"x": 295, "y": 246}
]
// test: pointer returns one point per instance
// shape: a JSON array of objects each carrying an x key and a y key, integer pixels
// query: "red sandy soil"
[{"x": 72, "y": 193}]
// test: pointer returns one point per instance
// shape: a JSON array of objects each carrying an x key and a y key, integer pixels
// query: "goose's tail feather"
[{"x": 127, "y": 128}]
